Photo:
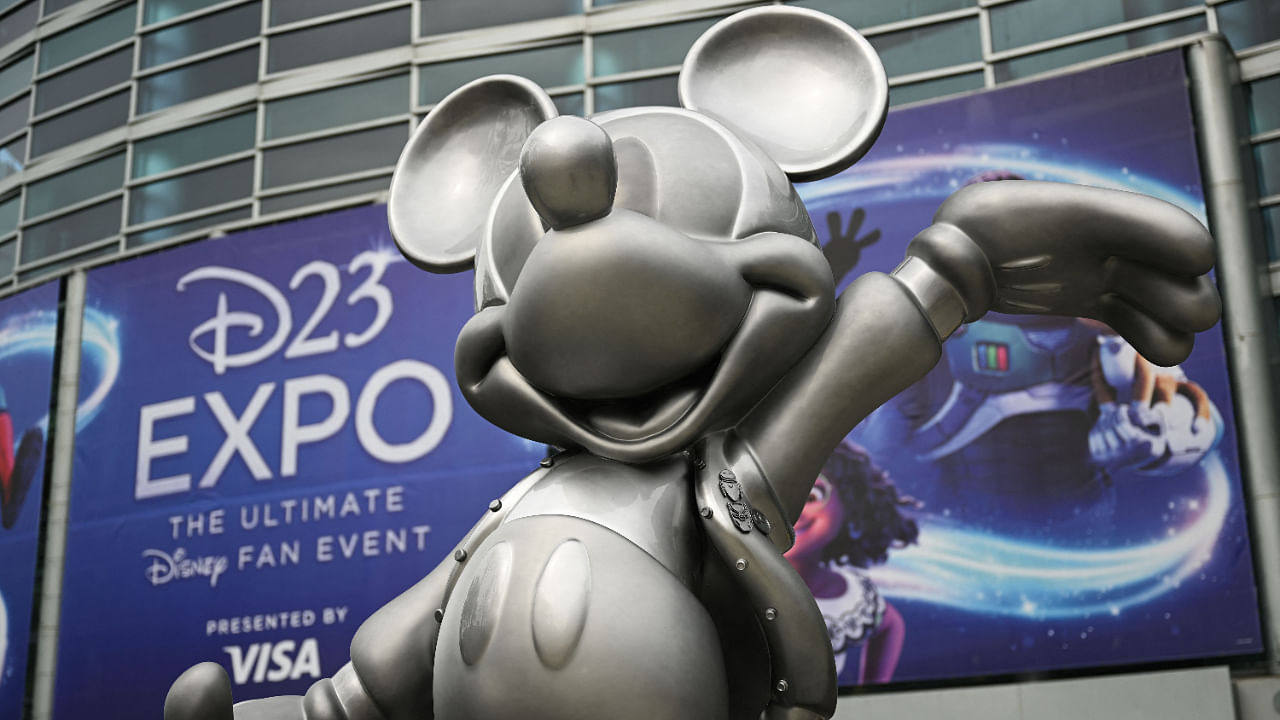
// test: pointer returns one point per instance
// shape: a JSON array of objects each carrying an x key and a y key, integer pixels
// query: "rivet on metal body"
[
  {"x": 741, "y": 564},
  {"x": 770, "y": 613},
  {"x": 495, "y": 506},
  {"x": 460, "y": 555},
  {"x": 705, "y": 512},
  {"x": 546, "y": 462},
  {"x": 782, "y": 686},
  {"x": 439, "y": 613}
]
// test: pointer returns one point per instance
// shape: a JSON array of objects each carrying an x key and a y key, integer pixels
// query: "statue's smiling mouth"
[{"x": 645, "y": 415}]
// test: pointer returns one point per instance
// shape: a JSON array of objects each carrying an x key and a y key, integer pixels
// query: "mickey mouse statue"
[{"x": 652, "y": 299}]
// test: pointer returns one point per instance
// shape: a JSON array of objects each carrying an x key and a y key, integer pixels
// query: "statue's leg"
[{"x": 557, "y": 618}]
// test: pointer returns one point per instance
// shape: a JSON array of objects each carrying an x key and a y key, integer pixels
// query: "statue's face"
[
  {"x": 703, "y": 275},
  {"x": 645, "y": 277}
]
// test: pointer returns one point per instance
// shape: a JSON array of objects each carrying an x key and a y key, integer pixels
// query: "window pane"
[
  {"x": 76, "y": 185},
  {"x": 651, "y": 91},
  {"x": 13, "y": 117},
  {"x": 929, "y": 47},
  {"x": 571, "y": 104},
  {"x": 194, "y": 144},
  {"x": 866, "y": 14},
  {"x": 146, "y": 237},
  {"x": 646, "y": 47},
  {"x": 9, "y": 215},
  {"x": 15, "y": 76},
  {"x": 72, "y": 186},
  {"x": 13, "y": 157},
  {"x": 84, "y": 39},
  {"x": 1059, "y": 57},
  {"x": 8, "y": 256},
  {"x": 1249, "y": 22},
  {"x": 154, "y": 11},
  {"x": 70, "y": 231},
  {"x": 18, "y": 23},
  {"x": 445, "y": 16},
  {"x": 53, "y": 6},
  {"x": 197, "y": 36},
  {"x": 1268, "y": 159},
  {"x": 345, "y": 38},
  {"x": 206, "y": 77},
  {"x": 900, "y": 94},
  {"x": 1270, "y": 224},
  {"x": 338, "y": 106},
  {"x": 287, "y": 11},
  {"x": 548, "y": 66},
  {"x": 204, "y": 188},
  {"x": 1031, "y": 21},
  {"x": 51, "y": 268},
  {"x": 86, "y": 121},
  {"x": 82, "y": 80},
  {"x": 1264, "y": 104},
  {"x": 315, "y": 159},
  {"x": 280, "y": 203}
]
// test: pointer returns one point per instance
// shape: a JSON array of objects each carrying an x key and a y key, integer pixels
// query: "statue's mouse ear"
[
  {"x": 805, "y": 87},
  {"x": 455, "y": 163}
]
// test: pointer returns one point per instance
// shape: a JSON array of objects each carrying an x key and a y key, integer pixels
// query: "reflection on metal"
[{"x": 651, "y": 298}]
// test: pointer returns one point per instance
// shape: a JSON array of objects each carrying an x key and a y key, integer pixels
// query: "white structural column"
[{"x": 56, "y": 504}]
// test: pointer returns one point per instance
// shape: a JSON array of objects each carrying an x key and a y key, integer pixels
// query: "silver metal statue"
[{"x": 650, "y": 296}]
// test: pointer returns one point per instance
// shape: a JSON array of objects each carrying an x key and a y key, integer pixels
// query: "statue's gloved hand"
[
  {"x": 1131, "y": 261},
  {"x": 203, "y": 692}
]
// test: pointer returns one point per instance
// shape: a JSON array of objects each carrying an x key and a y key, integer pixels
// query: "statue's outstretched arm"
[{"x": 1131, "y": 261}]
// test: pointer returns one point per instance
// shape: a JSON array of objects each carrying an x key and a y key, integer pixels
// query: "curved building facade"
[{"x": 124, "y": 125}]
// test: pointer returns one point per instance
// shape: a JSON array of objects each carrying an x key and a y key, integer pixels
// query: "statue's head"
[{"x": 645, "y": 276}]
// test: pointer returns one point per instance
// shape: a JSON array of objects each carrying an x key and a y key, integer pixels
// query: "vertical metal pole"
[
  {"x": 1244, "y": 286},
  {"x": 55, "y": 540}
]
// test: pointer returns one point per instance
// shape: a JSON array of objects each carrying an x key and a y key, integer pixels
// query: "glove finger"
[
  {"x": 1159, "y": 343},
  {"x": 1185, "y": 303}
]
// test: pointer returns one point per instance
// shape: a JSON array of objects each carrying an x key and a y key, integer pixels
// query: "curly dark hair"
[{"x": 873, "y": 509}]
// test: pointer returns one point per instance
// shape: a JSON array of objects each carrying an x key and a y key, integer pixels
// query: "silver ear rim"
[
  {"x": 804, "y": 86},
  {"x": 454, "y": 164}
]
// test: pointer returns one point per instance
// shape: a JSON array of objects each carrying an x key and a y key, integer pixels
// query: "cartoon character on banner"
[
  {"x": 853, "y": 517},
  {"x": 19, "y": 464},
  {"x": 651, "y": 297}
]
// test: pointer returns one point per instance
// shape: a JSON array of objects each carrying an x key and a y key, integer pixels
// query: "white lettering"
[
  {"x": 237, "y": 436},
  {"x": 441, "y": 416},
  {"x": 149, "y": 449},
  {"x": 293, "y": 434}
]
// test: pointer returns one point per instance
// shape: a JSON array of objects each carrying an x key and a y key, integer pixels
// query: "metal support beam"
[
  {"x": 56, "y": 504},
  {"x": 1246, "y": 295}
]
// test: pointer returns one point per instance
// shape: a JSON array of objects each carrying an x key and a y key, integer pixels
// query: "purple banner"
[
  {"x": 271, "y": 446},
  {"x": 28, "y": 336},
  {"x": 1045, "y": 498}
]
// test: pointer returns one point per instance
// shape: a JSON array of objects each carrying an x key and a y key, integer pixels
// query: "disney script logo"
[{"x": 165, "y": 567}]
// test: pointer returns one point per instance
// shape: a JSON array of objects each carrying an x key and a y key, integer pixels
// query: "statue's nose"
[{"x": 569, "y": 171}]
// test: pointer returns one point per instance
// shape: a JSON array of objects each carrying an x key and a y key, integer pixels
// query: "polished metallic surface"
[
  {"x": 812, "y": 127},
  {"x": 437, "y": 217},
  {"x": 650, "y": 297},
  {"x": 649, "y": 505}
]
